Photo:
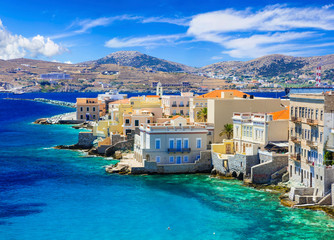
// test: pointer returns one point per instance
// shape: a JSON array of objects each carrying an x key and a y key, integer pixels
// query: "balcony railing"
[
  {"x": 182, "y": 150},
  {"x": 295, "y": 157},
  {"x": 311, "y": 144},
  {"x": 295, "y": 119},
  {"x": 174, "y": 105},
  {"x": 181, "y": 105},
  {"x": 295, "y": 139},
  {"x": 312, "y": 122},
  {"x": 187, "y": 105}
]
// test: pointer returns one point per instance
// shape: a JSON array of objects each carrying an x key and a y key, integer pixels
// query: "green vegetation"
[
  {"x": 202, "y": 115},
  {"x": 328, "y": 158},
  {"x": 228, "y": 131}
]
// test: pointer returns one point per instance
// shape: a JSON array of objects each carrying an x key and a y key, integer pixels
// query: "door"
[
  {"x": 228, "y": 149},
  {"x": 87, "y": 116},
  {"x": 178, "y": 160},
  {"x": 310, "y": 179},
  {"x": 179, "y": 144}
]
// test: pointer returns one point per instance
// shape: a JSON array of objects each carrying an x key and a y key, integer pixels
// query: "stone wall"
[
  {"x": 218, "y": 163},
  {"x": 86, "y": 139},
  {"x": 120, "y": 146},
  {"x": 262, "y": 173},
  {"x": 201, "y": 165},
  {"x": 242, "y": 163}
]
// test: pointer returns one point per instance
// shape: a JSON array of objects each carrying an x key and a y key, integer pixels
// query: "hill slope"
[
  {"x": 140, "y": 60},
  {"x": 272, "y": 65}
]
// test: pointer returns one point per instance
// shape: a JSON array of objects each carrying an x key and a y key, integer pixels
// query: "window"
[
  {"x": 198, "y": 157},
  {"x": 186, "y": 143},
  {"x": 181, "y": 112},
  {"x": 171, "y": 143},
  {"x": 198, "y": 142},
  {"x": 157, "y": 143},
  {"x": 320, "y": 137},
  {"x": 93, "y": 109},
  {"x": 321, "y": 115},
  {"x": 171, "y": 159},
  {"x": 148, "y": 121},
  {"x": 185, "y": 158},
  {"x": 291, "y": 111},
  {"x": 178, "y": 159},
  {"x": 136, "y": 123},
  {"x": 81, "y": 109},
  {"x": 174, "y": 112},
  {"x": 127, "y": 121},
  {"x": 316, "y": 114},
  {"x": 157, "y": 159},
  {"x": 94, "y": 116},
  {"x": 87, "y": 109},
  {"x": 81, "y": 116}
]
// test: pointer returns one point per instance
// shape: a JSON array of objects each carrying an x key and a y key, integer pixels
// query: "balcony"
[
  {"x": 295, "y": 119},
  {"x": 312, "y": 122},
  {"x": 174, "y": 105},
  {"x": 181, "y": 105},
  {"x": 181, "y": 150},
  {"x": 295, "y": 157},
  {"x": 187, "y": 105},
  {"x": 311, "y": 144},
  {"x": 294, "y": 139}
]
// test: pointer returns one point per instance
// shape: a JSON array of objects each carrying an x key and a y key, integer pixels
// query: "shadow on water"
[
  {"x": 14, "y": 179},
  {"x": 18, "y": 210}
]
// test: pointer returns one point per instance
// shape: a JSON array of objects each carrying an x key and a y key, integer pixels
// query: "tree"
[
  {"x": 202, "y": 115},
  {"x": 228, "y": 131}
]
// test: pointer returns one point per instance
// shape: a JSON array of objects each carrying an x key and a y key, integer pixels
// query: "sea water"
[{"x": 60, "y": 194}]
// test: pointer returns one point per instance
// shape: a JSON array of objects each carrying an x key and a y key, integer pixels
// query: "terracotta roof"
[
  {"x": 281, "y": 115},
  {"x": 175, "y": 117},
  {"x": 217, "y": 94},
  {"x": 150, "y": 96},
  {"x": 124, "y": 101}
]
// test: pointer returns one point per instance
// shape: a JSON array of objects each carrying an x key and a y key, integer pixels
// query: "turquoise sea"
[{"x": 60, "y": 194}]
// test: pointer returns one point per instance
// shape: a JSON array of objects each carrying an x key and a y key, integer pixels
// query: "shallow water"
[{"x": 60, "y": 194}]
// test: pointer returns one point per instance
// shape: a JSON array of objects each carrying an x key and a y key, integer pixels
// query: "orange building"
[{"x": 90, "y": 109}]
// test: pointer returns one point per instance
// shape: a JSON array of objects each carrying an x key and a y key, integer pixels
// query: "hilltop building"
[{"x": 55, "y": 76}]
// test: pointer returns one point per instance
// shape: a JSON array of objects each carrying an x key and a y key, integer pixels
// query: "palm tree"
[
  {"x": 202, "y": 115},
  {"x": 228, "y": 131}
]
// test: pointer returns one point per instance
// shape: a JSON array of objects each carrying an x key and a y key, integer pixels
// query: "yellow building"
[{"x": 121, "y": 109}]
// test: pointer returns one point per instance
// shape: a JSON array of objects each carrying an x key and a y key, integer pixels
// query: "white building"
[{"x": 172, "y": 142}]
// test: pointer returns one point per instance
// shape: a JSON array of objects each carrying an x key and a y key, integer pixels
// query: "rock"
[
  {"x": 118, "y": 155},
  {"x": 43, "y": 121}
]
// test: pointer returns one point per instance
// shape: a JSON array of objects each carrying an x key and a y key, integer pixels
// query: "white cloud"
[
  {"x": 17, "y": 46},
  {"x": 271, "y": 18},
  {"x": 328, "y": 6},
  {"x": 68, "y": 62},
  {"x": 246, "y": 34},
  {"x": 85, "y": 25},
  {"x": 175, "y": 21},
  {"x": 147, "y": 41}
]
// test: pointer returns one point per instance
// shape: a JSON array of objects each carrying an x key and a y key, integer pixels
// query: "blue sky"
[{"x": 195, "y": 33}]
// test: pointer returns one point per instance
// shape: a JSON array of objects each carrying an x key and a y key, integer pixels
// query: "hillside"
[
  {"x": 272, "y": 65},
  {"x": 140, "y": 60}
]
